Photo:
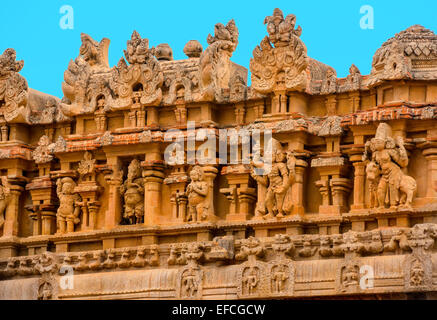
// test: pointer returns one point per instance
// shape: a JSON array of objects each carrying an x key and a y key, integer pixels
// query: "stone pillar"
[
  {"x": 153, "y": 174},
  {"x": 356, "y": 158},
  {"x": 240, "y": 113},
  {"x": 331, "y": 105},
  {"x": 259, "y": 108},
  {"x": 359, "y": 185},
  {"x": 43, "y": 210},
  {"x": 333, "y": 185},
  {"x": 210, "y": 174},
  {"x": 10, "y": 228},
  {"x": 430, "y": 154},
  {"x": 354, "y": 99},
  {"x": 152, "y": 117},
  {"x": 296, "y": 145},
  {"x": 48, "y": 220},
  {"x": 114, "y": 179},
  {"x": 241, "y": 195},
  {"x": 297, "y": 194},
  {"x": 178, "y": 181}
]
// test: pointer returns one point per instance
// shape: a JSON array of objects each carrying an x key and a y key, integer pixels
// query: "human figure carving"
[
  {"x": 69, "y": 205},
  {"x": 190, "y": 284},
  {"x": 373, "y": 176},
  {"x": 417, "y": 274},
  {"x": 5, "y": 193},
  {"x": 350, "y": 276},
  {"x": 133, "y": 192},
  {"x": 394, "y": 187},
  {"x": 279, "y": 278},
  {"x": 197, "y": 192},
  {"x": 277, "y": 181},
  {"x": 251, "y": 280}
]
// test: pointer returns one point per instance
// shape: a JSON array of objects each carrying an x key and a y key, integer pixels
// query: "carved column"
[
  {"x": 43, "y": 210},
  {"x": 153, "y": 174},
  {"x": 152, "y": 117},
  {"x": 356, "y": 158},
  {"x": 297, "y": 194},
  {"x": 241, "y": 195},
  {"x": 89, "y": 191},
  {"x": 177, "y": 181},
  {"x": 259, "y": 108},
  {"x": 114, "y": 179},
  {"x": 296, "y": 145},
  {"x": 210, "y": 174},
  {"x": 429, "y": 151},
  {"x": 4, "y": 130},
  {"x": 333, "y": 185},
  {"x": 331, "y": 105},
  {"x": 10, "y": 228},
  {"x": 354, "y": 99},
  {"x": 240, "y": 113}
]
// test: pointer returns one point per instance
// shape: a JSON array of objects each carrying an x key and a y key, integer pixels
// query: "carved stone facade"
[{"x": 347, "y": 206}]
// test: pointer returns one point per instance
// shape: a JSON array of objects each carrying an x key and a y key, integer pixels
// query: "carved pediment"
[
  {"x": 89, "y": 78},
  {"x": 143, "y": 77},
  {"x": 280, "y": 62}
]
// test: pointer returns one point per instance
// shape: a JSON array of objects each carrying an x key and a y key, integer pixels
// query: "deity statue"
[
  {"x": 69, "y": 205},
  {"x": 4, "y": 199},
  {"x": 133, "y": 192},
  {"x": 190, "y": 284},
  {"x": 279, "y": 278},
  {"x": 389, "y": 155},
  {"x": 277, "y": 181},
  {"x": 197, "y": 191}
]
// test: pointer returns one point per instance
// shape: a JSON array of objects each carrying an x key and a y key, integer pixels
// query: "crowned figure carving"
[
  {"x": 387, "y": 158},
  {"x": 197, "y": 192},
  {"x": 274, "y": 179},
  {"x": 133, "y": 192},
  {"x": 143, "y": 76},
  {"x": 69, "y": 210},
  {"x": 280, "y": 61}
]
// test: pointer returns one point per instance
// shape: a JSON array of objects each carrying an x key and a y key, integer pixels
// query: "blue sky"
[{"x": 331, "y": 29}]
